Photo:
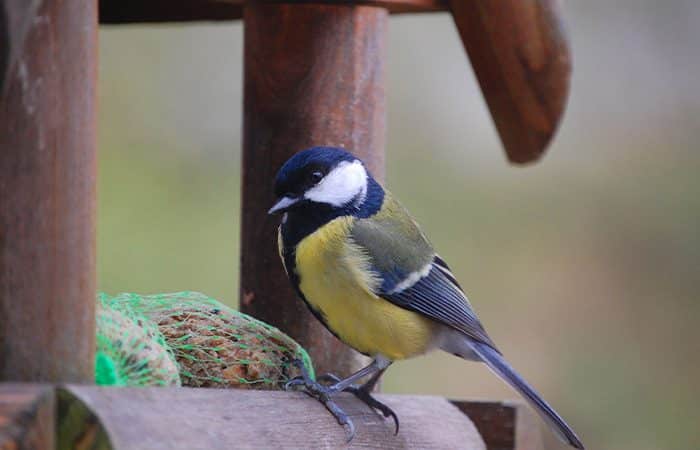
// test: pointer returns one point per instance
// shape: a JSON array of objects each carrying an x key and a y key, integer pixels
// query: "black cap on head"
[{"x": 302, "y": 170}]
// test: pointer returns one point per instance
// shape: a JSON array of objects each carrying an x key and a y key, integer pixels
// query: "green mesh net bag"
[
  {"x": 217, "y": 346},
  {"x": 131, "y": 351}
]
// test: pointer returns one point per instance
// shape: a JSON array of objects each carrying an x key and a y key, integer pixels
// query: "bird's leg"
[
  {"x": 364, "y": 394},
  {"x": 324, "y": 393}
]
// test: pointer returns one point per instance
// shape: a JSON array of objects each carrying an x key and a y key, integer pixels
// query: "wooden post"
[
  {"x": 314, "y": 75},
  {"x": 47, "y": 195}
]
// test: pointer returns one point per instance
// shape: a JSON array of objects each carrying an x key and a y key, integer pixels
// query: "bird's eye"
[{"x": 316, "y": 177}]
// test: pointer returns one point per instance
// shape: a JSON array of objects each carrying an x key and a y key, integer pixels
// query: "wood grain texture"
[
  {"x": 134, "y": 11},
  {"x": 47, "y": 198},
  {"x": 504, "y": 425},
  {"x": 159, "y": 418},
  {"x": 318, "y": 79},
  {"x": 26, "y": 416},
  {"x": 520, "y": 54}
]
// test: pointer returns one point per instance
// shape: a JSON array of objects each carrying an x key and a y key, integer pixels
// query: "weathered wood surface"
[
  {"x": 504, "y": 425},
  {"x": 26, "y": 416},
  {"x": 134, "y": 11},
  {"x": 520, "y": 55},
  {"x": 47, "y": 197},
  {"x": 158, "y": 418},
  {"x": 318, "y": 79}
]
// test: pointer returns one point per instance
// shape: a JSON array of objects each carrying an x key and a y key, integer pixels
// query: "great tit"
[{"x": 365, "y": 270}]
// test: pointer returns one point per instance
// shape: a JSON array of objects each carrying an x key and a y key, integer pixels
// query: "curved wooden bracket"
[{"x": 521, "y": 57}]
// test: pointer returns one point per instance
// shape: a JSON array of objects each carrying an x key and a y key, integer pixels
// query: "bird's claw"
[
  {"x": 329, "y": 377},
  {"x": 302, "y": 380},
  {"x": 339, "y": 415},
  {"x": 323, "y": 394},
  {"x": 289, "y": 385},
  {"x": 364, "y": 395}
]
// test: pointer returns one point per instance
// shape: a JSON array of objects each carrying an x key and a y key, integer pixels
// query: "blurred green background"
[{"x": 585, "y": 267}]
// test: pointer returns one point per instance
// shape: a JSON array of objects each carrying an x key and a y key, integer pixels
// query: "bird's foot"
[
  {"x": 323, "y": 394},
  {"x": 363, "y": 393}
]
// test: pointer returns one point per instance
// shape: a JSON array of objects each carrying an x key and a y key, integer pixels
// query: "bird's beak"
[{"x": 283, "y": 203}]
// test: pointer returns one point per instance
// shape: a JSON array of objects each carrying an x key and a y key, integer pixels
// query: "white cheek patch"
[{"x": 341, "y": 185}]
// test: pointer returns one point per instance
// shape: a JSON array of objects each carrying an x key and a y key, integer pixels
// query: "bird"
[{"x": 366, "y": 270}]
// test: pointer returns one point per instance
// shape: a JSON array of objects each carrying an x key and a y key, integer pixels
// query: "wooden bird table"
[{"x": 315, "y": 74}]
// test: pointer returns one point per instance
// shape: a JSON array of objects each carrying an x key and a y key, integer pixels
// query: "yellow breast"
[{"x": 335, "y": 279}]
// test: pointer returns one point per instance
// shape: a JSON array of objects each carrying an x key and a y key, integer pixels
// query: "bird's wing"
[{"x": 409, "y": 272}]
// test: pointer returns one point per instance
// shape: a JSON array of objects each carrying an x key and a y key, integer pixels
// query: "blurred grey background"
[{"x": 585, "y": 267}]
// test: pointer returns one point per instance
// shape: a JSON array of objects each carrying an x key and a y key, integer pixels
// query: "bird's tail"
[{"x": 500, "y": 366}]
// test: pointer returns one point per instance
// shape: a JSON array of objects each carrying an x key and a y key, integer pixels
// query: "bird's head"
[{"x": 322, "y": 176}]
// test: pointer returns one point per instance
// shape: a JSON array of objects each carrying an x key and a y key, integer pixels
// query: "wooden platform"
[
  {"x": 153, "y": 419},
  {"x": 35, "y": 416}
]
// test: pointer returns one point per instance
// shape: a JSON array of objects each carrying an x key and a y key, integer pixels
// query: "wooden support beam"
[
  {"x": 26, "y": 416},
  {"x": 318, "y": 79},
  {"x": 47, "y": 196},
  {"x": 520, "y": 55},
  {"x": 160, "y": 418},
  {"x": 135, "y": 11},
  {"x": 149, "y": 11}
]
